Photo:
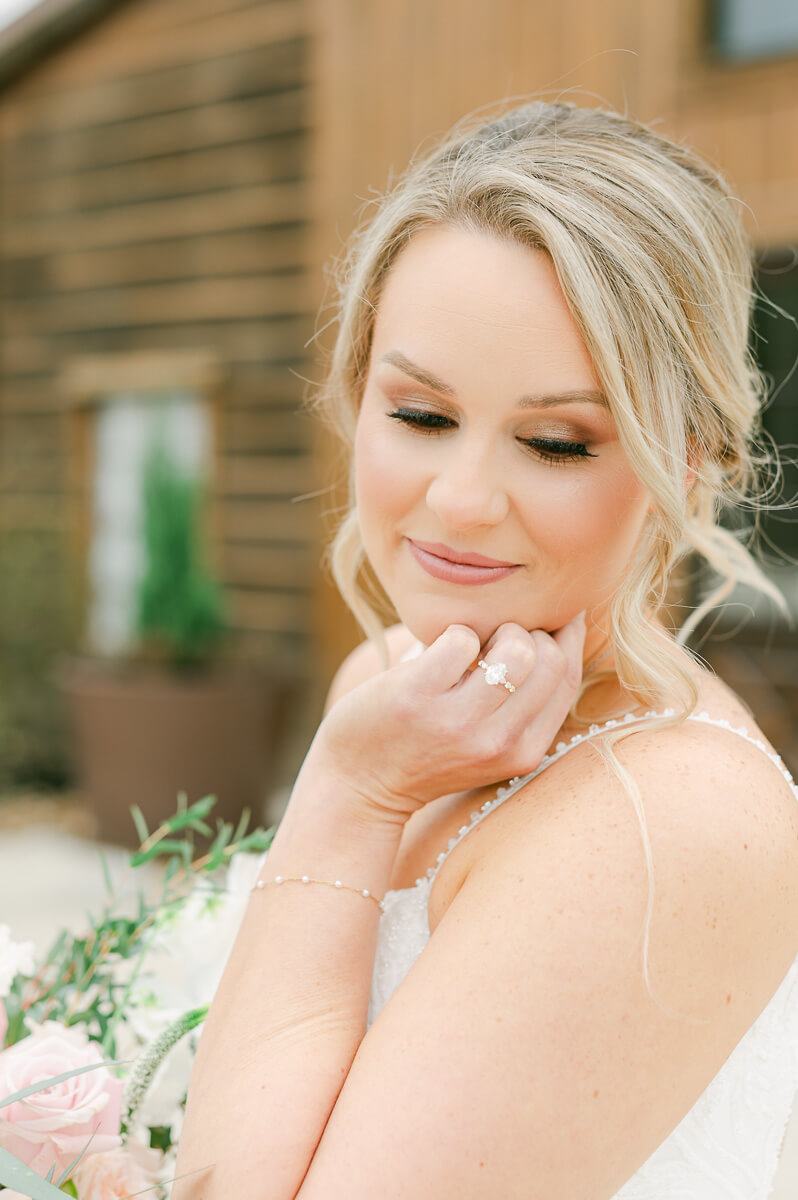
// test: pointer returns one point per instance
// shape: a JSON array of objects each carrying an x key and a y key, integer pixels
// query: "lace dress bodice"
[{"x": 727, "y": 1146}]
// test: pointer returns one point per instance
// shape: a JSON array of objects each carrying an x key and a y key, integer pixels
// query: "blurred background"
[{"x": 174, "y": 176}]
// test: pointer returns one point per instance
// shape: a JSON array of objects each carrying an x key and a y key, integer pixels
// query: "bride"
[{"x": 562, "y": 957}]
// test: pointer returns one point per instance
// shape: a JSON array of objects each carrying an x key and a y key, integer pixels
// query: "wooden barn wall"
[
  {"x": 180, "y": 176},
  {"x": 392, "y": 75},
  {"x": 154, "y": 196}
]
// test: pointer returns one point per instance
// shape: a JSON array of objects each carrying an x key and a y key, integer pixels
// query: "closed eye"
[{"x": 551, "y": 450}]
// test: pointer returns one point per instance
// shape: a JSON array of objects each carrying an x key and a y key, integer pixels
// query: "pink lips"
[
  {"x": 444, "y": 563},
  {"x": 470, "y": 560}
]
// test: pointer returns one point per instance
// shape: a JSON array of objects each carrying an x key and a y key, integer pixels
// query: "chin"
[{"x": 428, "y": 625}]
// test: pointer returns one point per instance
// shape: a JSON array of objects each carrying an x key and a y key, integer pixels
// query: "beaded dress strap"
[{"x": 562, "y": 748}]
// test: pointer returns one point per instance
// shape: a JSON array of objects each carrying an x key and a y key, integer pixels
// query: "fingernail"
[{"x": 582, "y": 616}]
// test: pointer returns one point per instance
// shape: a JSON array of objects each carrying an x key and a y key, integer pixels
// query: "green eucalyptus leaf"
[
  {"x": 242, "y": 825},
  {"x": 191, "y": 819},
  {"x": 159, "y": 849},
  {"x": 201, "y": 808},
  {"x": 139, "y": 822},
  {"x": 16, "y": 1174},
  {"x": 258, "y": 840},
  {"x": 106, "y": 873},
  {"x": 56, "y": 947},
  {"x": 222, "y": 838},
  {"x": 64, "y": 1180}
]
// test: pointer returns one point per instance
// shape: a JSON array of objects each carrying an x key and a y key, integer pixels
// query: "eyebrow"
[{"x": 427, "y": 379}]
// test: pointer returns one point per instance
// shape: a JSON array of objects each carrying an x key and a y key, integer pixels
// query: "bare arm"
[{"x": 290, "y": 1011}]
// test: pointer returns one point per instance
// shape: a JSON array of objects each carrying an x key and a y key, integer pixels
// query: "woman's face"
[{"x": 482, "y": 432}]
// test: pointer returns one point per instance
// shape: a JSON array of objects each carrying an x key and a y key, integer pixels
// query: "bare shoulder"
[
  {"x": 364, "y": 663},
  {"x": 722, "y": 823},
  {"x": 707, "y": 778}
]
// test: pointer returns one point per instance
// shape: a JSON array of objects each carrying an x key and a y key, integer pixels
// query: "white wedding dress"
[{"x": 727, "y": 1146}]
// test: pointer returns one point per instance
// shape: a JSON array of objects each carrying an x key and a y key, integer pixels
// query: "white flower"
[
  {"x": 15, "y": 957},
  {"x": 242, "y": 872},
  {"x": 162, "y": 1104},
  {"x": 184, "y": 965},
  {"x": 192, "y": 946}
]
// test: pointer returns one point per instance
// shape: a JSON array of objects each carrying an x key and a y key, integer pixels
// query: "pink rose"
[
  {"x": 3, "y": 1024},
  {"x": 112, "y": 1174},
  {"x": 52, "y": 1126}
]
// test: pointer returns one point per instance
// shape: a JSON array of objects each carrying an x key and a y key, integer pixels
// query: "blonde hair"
[{"x": 651, "y": 255}]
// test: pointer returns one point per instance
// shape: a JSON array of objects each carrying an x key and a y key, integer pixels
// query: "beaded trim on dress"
[{"x": 503, "y": 793}]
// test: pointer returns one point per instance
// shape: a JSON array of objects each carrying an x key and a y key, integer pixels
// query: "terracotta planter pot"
[{"x": 145, "y": 734}]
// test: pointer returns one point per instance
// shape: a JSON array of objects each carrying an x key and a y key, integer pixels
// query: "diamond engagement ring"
[{"x": 496, "y": 674}]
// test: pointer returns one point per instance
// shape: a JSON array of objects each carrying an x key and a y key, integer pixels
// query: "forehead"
[{"x": 456, "y": 296}]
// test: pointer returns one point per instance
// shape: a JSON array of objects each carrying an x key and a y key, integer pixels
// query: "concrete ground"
[{"x": 51, "y": 878}]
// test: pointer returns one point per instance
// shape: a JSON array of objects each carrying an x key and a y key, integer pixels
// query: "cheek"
[
  {"x": 593, "y": 520},
  {"x": 386, "y": 485}
]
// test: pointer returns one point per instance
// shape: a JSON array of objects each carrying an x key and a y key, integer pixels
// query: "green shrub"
[{"x": 180, "y": 609}]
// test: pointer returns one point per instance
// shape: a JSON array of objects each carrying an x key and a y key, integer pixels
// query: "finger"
[
  {"x": 539, "y": 715},
  {"x": 551, "y": 716},
  {"x": 571, "y": 640},
  {"x": 537, "y": 687},
  {"x": 445, "y": 661},
  {"x": 509, "y": 630},
  {"x": 511, "y": 647}
]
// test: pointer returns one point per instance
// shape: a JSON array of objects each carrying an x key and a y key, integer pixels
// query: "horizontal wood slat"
[
  {"x": 35, "y": 397},
  {"x": 245, "y": 520},
  {"x": 266, "y": 475},
  {"x": 277, "y": 159},
  {"x": 101, "y": 54},
  {"x": 269, "y": 566},
  {"x": 268, "y": 611},
  {"x": 278, "y": 339},
  {"x": 24, "y": 512},
  {"x": 164, "y": 16},
  {"x": 85, "y": 378},
  {"x": 167, "y": 304},
  {"x": 283, "y": 652},
  {"x": 166, "y": 133},
  {"x": 250, "y": 72},
  {"x": 31, "y": 435},
  {"x": 258, "y": 430},
  {"x": 259, "y": 386},
  {"x": 182, "y": 216},
  {"x": 40, "y": 473},
  {"x": 252, "y": 252},
  {"x": 262, "y": 406}
]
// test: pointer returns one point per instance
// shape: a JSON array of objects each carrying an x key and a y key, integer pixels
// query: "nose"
[{"x": 465, "y": 495}]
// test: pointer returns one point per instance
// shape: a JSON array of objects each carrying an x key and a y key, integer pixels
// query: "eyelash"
[{"x": 554, "y": 452}]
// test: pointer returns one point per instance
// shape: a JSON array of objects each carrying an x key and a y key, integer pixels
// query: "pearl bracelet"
[{"x": 328, "y": 882}]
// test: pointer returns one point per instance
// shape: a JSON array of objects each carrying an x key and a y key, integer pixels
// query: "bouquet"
[{"x": 97, "y": 1039}]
